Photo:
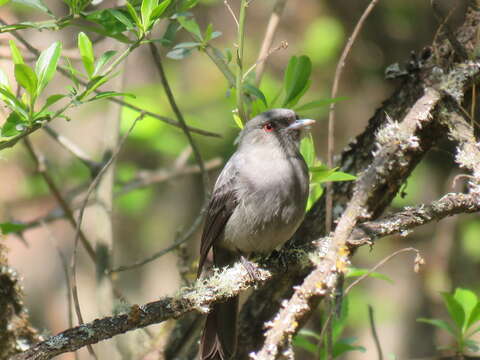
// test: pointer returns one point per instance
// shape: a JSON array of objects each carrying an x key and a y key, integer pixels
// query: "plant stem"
[{"x": 241, "y": 39}]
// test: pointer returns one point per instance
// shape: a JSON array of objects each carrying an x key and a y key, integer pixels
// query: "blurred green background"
[{"x": 149, "y": 219}]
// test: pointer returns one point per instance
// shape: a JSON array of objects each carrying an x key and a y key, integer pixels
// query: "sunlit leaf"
[
  {"x": 106, "y": 56},
  {"x": 191, "y": 26},
  {"x": 16, "y": 54},
  {"x": 36, "y": 4},
  {"x": 13, "y": 103},
  {"x": 26, "y": 77},
  {"x": 307, "y": 149},
  {"x": 160, "y": 9},
  {"x": 296, "y": 77},
  {"x": 468, "y": 301},
  {"x": 3, "y": 2},
  {"x": 47, "y": 64},
  {"x": 454, "y": 308},
  {"x": 146, "y": 10},
  {"x": 86, "y": 51},
  {"x": 4, "y": 80},
  {"x": 179, "y": 54}
]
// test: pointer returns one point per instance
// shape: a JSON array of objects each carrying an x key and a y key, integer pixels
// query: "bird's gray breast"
[{"x": 271, "y": 191}]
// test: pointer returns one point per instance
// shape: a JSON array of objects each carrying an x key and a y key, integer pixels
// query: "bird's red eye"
[{"x": 268, "y": 127}]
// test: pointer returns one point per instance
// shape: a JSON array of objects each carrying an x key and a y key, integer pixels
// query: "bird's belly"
[{"x": 259, "y": 235}]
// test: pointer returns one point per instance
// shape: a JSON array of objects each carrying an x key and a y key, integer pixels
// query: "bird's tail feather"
[{"x": 220, "y": 335}]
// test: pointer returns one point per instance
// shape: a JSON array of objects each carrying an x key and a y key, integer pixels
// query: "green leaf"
[
  {"x": 94, "y": 84},
  {"x": 319, "y": 103},
  {"x": 122, "y": 18},
  {"x": 191, "y": 26},
  {"x": 439, "y": 323},
  {"x": 296, "y": 77},
  {"x": 252, "y": 90},
  {"x": 187, "y": 45},
  {"x": 26, "y": 77},
  {"x": 302, "y": 342},
  {"x": 47, "y": 64},
  {"x": 11, "y": 227},
  {"x": 339, "y": 176},
  {"x": 14, "y": 125},
  {"x": 146, "y": 10},
  {"x": 36, "y": 4},
  {"x": 133, "y": 14},
  {"x": 160, "y": 9},
  {"x": 109, "y": 94},
  {"x": 474, "y": 316},
  {"x": 472, "y": 345},
  {"x": 13, "y": 103},
  {"x": 345, "y": 345},
  {"x": 356, "y": 272},
  {"x": 316, "y": 191},
  {"x": 3, "y": 2},
  {"x": 106, "y": 56},
  {"x": 455, "y": 310},
  {"x": 307, "y": 149},
  {"x": 52, "y": 99},
  {"x": 86, "y": 52},
  {"x": 16, "y": 54},
  {"x": 237, "y": 120},
  {"x": 468, "y": 301}
]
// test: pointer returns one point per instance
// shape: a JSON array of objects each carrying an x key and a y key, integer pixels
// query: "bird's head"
[{"x": 275, "y": 127}]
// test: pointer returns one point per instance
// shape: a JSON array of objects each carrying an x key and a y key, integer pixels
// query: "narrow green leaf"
[
  {"x": 339, "y": 176},
  {"x": 95, "y": 83},
  {"x": 237, "y": 120},
  {"x": 439, "y": 323},
  {"x": 468, "y": 301},
  {"x": 13, "y": 103},
  {"x": 16, "y": 54},
  {"x": 455, "y": 310},
  {"x": 36, "y": 4},
  {"x": 179, "y": 54},
  {"x": 133, "y": 14},
  {"x": 296, "y": 77},
  {"x": 252, "y": 90},
  {"x": 52, "y": 99},
  {"x": 106, "y": 56},
  {"x": 343, "y": 346},
  {"x": 208, "y": 33},
  {"x": 307, "y": 149},
  {"x": 47, "y": 64},
  {"x": 319, "y": 103},
  {"x": 309, "y": 333},
  {"x": 160, "y": 9},
  {"x": 302, "y": 342},
  {"x": 191, "y": 26},
  {"x": 109, "y": 94},
  {"x": 11, "y": 227},
  {"x": 26, "y": 77},
  {"x": 14, "y": 125},
  {"x": 146, "y": 11},
  {"x": 86, "y": 51},
  {"x": 122, "y": 18}
]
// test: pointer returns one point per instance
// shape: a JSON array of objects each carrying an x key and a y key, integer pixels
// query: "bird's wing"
[{"x": 221, "y": 207}]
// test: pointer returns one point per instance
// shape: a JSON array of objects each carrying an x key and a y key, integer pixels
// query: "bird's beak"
[{"x": 301, "y": 124}]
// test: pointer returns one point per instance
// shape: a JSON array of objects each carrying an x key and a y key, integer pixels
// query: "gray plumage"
[{"x": 257, "y": 204}]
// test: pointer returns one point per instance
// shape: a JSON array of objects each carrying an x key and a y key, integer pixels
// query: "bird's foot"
[{"x": 251, "y": 268}]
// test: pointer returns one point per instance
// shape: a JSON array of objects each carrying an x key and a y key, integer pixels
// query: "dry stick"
[
  {"x": 374, "y": 333},
  {"x": 180, "y": 118},
  {"x": 268, "y": 39},
  {"x": 230, "y": 10},
  {"x": 67, "y": 74},
  {"x": 73, "y": 148},
  {"x": 92, "y": 186},
  {"x": 331, "y": 114},
  {"x": 212, "y": 290},
  {"x": 41, "y": 168}
]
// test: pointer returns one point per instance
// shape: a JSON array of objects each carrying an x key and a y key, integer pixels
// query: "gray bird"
[{"x": 257, "y": 204}]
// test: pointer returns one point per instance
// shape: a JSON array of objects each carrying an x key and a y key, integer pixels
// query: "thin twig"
[
  {"x": 268, "y": 38},
  {"x": 239, "y": 60},
  {"x": 374, "y": 332},
  {"x": 92, "y": 186},
  {"x": 331, "y": 114},
  {"x": 182, "y": 239},
  {"x": 230, "y": 10},
  {"x": 41, "y": 168},
  {"x": 180, "y": 118},
  {"x": 73, "y": 149}
]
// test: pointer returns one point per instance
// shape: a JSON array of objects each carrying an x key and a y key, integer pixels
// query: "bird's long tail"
[{"x": 220, "y": 335}]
